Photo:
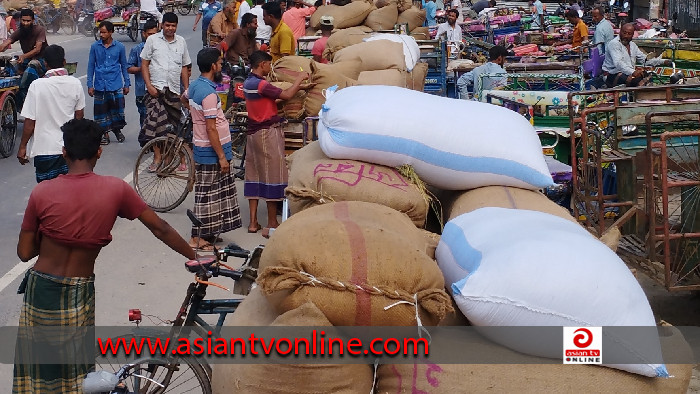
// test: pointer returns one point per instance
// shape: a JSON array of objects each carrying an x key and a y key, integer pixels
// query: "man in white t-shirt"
[
  {"x": 451, "y": 31},
  {"x": 51, "y": 102},
  {"x": 264, "y": 32},
  {"x": 151, "y": 7}
]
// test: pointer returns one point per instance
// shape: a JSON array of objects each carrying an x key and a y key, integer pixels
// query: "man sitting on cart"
[
  {"x": 621, "y": 54},
  {"x": 240, "y": 43},
  {"x": 497, "y": 58},
  {"x": 32, "y": 40}
]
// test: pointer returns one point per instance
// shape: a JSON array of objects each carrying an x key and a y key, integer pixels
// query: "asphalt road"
[{"x": 136, "y": 270}]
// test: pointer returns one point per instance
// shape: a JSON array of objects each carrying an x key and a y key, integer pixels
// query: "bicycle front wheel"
[
  {"x": 8, "y": 126},
  {"x": 164, "y": 185},
  {"x": 184, "y": 8}
]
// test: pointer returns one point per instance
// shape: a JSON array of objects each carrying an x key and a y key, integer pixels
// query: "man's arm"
[
  {"x": 183, "y": 73},
  {"x": 79, "y": 114},
  {"x": 146, "y": 74},
  {"x": 27, "y": 133},
  {"x": 125, "y": 72},
  {"x": 10, "y": 40},
  {"x": 133, "y": 61},
  {"x": 28, "y": 245},
  {"x": 164, "y": 232},
  {"x": 91, "y": 71},
  {"x": 292, "y": 90},
  {"x": 196, "y": 20}
]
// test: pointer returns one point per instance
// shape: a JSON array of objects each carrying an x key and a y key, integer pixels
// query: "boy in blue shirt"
[
  {"x": 151, "y": 27},
  {"x": 430, "y": 9}
]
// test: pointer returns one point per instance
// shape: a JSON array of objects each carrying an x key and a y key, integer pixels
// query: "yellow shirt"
[
  {"x": 580, "y": 34},
  {"x": 282, "y": 42}
]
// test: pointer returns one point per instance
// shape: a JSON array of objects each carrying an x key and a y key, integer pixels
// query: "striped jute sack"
[
  {"x": 286, "y": 378},
  {"x": 348, "y": 15},
  {"x": 362, "y": 264},
  {"x": 316, "y": 179}
]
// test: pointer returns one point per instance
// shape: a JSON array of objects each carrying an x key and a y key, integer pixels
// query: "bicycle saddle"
[{"x": 203, "y": 262}]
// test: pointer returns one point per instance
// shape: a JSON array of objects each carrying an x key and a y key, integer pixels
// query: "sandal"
[
  {"x": 153, "y": 167},
  {"x": 105, "y": 139},
  {"x": 203, "y": 245},
  {"x": 119, "y": 135},
  {"x": 254, "y": 230}
]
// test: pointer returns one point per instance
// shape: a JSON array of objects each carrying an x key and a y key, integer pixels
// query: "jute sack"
[
  {"x": 324, "y": 77},
  {"x": 383, "y": 18},
  {"x": 289, "y": 378},
  {"x": 294, "y": 107},
  {"x": 390, "y": 77},
  {"x": 415, "y": 79},
  {"x": 357, "y": 262},
  {"x": 344, "y": 38},
  {"x": 404, "y": 5},
  {"x": 14, "y": 4},
  {"x": 432, "y": 240},
  {"x": 384, "y": 3},
  {"x": 315, "y": 179},
  {"x": 421, "y": 33},
  {"x": 350, "y": 68},
  {"x": 288, "y": 68},
  {"x": 413, "y": 16},
  {"x": 348, "y": 15},
  {"x": 503, "y": 197},
  {"x": 375, "y": 55},
  {"x": 532, "y": 377}
]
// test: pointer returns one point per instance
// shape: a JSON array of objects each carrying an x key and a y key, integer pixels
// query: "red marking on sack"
[{"x": 363, "y": 311}]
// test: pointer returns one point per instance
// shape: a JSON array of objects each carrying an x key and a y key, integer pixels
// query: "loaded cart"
[{"x": 9, "y": 85}]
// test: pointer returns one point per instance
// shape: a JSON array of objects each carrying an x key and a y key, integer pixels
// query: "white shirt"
[
  {"x": 3, "y": 29},
  {"x": 453, "y": 34},
  {"x": 51, "y": 102},
  {"x": 167, "y": 60},
  {"x": 243, "y": 9},
  {"x": 618, "y": 60},
  {"x": 264, "y": 31}
]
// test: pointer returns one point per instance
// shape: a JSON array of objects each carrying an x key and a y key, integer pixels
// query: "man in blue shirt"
[
  {"x": 151, "y": 27},
  {"x": 430, "y": 9},
  {"x": 206, "y": 12},
  {"x": 497, "y": 58},
  {"x": 108, "y": 81}
]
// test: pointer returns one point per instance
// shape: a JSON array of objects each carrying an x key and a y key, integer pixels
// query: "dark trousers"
[{"x": 613, "y": 80}]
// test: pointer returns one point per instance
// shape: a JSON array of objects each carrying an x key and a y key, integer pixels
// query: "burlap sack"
[
  {"x": 415, "y": 79},
  {"x": 294, "y": 107},
  {"x": 350, "y": 68},
  {"x": 344, "y": 38},
  {"x": 421, "y": 33},
  {"x": 354, "y": 259},
  {"x": 532, "y": 378},
  {"x": 383, "y": 18},
  {"x": 14, "y": 4},
  {"x": 403, "y": 5},
  {"x": 413, "y": 16},
  {"x": 287, "y": 378},
  {"x": 325, "y": 77},
  {"x": 349, "y": 15},
  {"x": 503, "y": 197},
  {"x": 375, "y": 55},
  {"x": 315, "y": 179},
  {"x": 432, "y": 240},
  {"x": 288, "y": 68},
  {"x": 384, "y": 3},
  {"x": 390, "y": 77}
]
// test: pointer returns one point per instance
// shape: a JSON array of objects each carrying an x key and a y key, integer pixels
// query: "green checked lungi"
[{"x": 53, "y": 301}]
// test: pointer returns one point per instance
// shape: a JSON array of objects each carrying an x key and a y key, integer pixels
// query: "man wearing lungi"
[
  {"x": 51, "y": 101},
  {"x": 215, "y": 197},
  {"x": 265, "y": 167},
  {"x": 67, "y": 222},
  {"x": 164, "y": 66},
  {"x": 108, "y": 82}
]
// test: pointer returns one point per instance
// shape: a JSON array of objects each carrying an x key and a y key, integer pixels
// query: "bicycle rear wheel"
[
  {"x": 176, "y": 375},
  {"x": 165, "y": 185},
  {"x": 184, "y": 8}
]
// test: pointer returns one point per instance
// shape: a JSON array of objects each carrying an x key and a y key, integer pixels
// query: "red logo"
[{"x": 584, "y": 338}]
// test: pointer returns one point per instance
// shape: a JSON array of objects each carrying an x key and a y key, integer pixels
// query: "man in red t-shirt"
[
  {"x": 320, "y": 44},
  {"x": 265, "y": 168},
  {"x": 67, "y": 222}
]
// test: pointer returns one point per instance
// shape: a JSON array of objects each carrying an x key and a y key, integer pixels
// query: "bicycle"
[
  {"x": 164, "y": 185},
  {"x": 156, "y": 374},
  {"x": 186, "y": 6},
  {"x": 57, "y": 19}
]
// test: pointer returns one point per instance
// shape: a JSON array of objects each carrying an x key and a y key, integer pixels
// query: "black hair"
[
  {"x": 54, "y": 55},
  {"x": 571, "y": 13},
  {"x": 273, "y": 9},
  {"x": 248, "y": 18},
  {"x": 493, "y": 3},
  {"x": 601, "y": 10},
  {"x": 170, "y": 17},
  {"x": 259, "y": 2},
  {"x": 81, "y": 138},
  {"x": 257, "y": 57},
  {"x": 26, "y": 12},
  {"x": 206, "y": 58},
  {"x": 150, "y": 24},
  {"x": 107, "y": 25},
  {"x": 454, "y": 11},
  {"x": 497, "y": 51},
  {"x": 318, "y": 3}
]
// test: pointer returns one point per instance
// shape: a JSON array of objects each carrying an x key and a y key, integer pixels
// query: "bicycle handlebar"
[{"x": 235, "y": 275}]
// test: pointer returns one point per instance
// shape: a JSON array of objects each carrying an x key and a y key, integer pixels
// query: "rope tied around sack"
[
  {"x": 318, "y": 196},
  {"x": 419, "y": 323},
  {"x": 433, "y": 301},
  {"x": 408, "y": 172}
]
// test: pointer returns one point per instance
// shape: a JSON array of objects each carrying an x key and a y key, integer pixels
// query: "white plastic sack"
[
  {"x": 452, "y": 144},
  {"x": 410, "y": 47},
  {"x": 510, "y": 267}
]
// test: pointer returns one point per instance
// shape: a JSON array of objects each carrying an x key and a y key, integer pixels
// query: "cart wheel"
[
  {"x": 67, "y": 25},
  {"x": 132, "y": 30},
  {"x": 8, "y": 126}
]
